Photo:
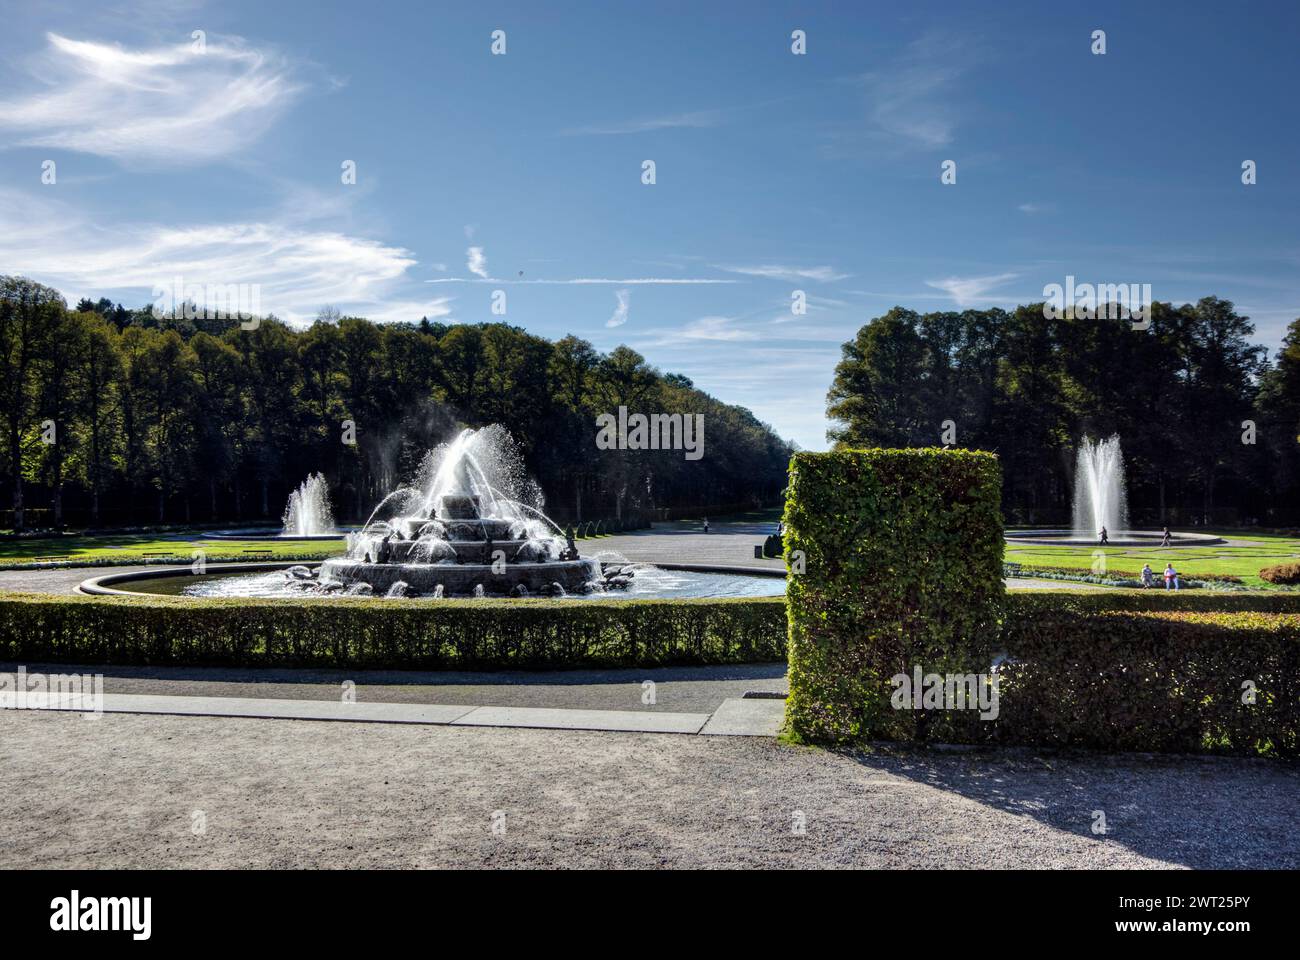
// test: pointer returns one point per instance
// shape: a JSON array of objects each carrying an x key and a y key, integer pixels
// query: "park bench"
[
  {"x": 157, "y": 555},
  {"x": 51, "y": 559},
  {"x": 256, "y": 553}
]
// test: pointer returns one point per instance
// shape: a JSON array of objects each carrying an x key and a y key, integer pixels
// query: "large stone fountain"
[{"x": 462, "y": 536}]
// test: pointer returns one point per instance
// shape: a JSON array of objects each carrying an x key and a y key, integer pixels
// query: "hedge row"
[
  {"x": 1115, "y": 670},
  {"x": 902, "y": 551},
  {"x": 1029, "y": 605},
  {"x": 1145, "y": 680},
  {"x": 415, "y": 634},
  {"x": 432, "y": 634}
]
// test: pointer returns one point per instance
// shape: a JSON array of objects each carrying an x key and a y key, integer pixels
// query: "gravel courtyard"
[{"x": 163, "y": 791}]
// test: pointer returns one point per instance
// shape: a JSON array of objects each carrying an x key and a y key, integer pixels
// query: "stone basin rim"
[{"x": 102, "y": 585}]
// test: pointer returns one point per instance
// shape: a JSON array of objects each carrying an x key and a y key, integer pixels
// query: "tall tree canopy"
[
  {"x": 1210, "y": 431},
  {"x": 180, "y": 420}
]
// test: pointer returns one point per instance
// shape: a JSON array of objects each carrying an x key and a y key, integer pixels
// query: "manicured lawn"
[
  {"x": 1240, "y": 561},
  {"x": 133, "y": 547}
]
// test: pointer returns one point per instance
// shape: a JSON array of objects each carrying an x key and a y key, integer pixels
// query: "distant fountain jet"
[
  {"x": 1100, "y": 499},
  {"x": 308, "y": 512}
]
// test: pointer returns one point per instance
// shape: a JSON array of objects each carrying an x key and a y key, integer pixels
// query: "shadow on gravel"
[{"x": 1199, "y": 812}]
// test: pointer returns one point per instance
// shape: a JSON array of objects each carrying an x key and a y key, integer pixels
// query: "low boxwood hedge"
[
  {"x": 1153, "y": 680},
  {"x": 1028, "y": 605},
  {"x": 1115, "y": 670},
  {"x": 381, "y": 633},
  {"x": 1285, "y": 573},
  {"x": 1119, "y": 670}
]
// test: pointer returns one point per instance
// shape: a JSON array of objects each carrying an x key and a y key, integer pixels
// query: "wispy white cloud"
[
  {"x": 716, "y": 328},
  {"x": 698, "y": 118},
  {"x": 167, "y": 105},
  {"x": 794, "y": 274},
  {"x": 1033, "y": 208},
  {"x": 476, "y": 262},
  {"x": 297, "y": 269},
  {"x": 968, "y": 291},
  {"x": 619, "y": 317},
  {"x": 910, "y": 100},
  {"x": 402, "y": 311}
]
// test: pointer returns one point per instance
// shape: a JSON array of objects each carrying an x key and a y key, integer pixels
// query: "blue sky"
[{"x": 774, "y": 172}]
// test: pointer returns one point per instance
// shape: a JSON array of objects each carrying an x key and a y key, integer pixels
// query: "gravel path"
[
  {"x": 676, "y": 689},
  {"x": 128, "y": 791},
  {"x": 59, "y": 579}
]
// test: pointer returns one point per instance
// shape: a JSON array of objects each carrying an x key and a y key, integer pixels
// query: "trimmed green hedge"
[
  {"x": 1029, "y": 605},
  {"x": 382, "y": 633},
  {"x": 902, "y": 560},
  {"x": 1127, "y": 670},
  {"x": 1082, "y": 675},
  {"x": 902, "y": 554}
]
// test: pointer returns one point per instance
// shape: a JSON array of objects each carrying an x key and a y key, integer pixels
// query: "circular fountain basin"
[
  {"x": 1119, "y": 538},
  {"x": 267, "y": 581}
]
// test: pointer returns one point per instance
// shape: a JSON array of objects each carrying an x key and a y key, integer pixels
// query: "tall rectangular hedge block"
[{"x": 901, "y": 559}]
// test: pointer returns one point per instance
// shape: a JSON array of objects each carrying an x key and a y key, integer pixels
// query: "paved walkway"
[
  {"x": 674, "y": 689},
  {"x": 196, "y": 792},
  {"x": 741, "y": 717}
]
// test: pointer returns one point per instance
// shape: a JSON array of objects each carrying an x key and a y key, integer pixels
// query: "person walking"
[
  {"x": 706, "y": 524},
  {"x": 1164, "y": 538},
  {"x": 1103, "y": 538}
]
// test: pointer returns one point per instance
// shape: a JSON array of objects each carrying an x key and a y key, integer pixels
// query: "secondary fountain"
[
  {"x": 1100, "y": 498},
  {"x": 308, "y": 512},
  {"x": 465, "y": 530}
]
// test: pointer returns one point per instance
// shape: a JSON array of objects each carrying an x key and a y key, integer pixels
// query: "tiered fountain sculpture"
[{"x": 463, "y": 536}]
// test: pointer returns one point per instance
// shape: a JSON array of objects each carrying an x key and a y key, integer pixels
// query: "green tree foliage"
[
  {"x": 1028, "y": 387},
  {"x": 173, "y": 420}
]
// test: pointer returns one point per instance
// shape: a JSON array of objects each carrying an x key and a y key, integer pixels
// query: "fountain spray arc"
[
  {"x": 465, "y": 530},
  {"x": 1100, "y": 497}
]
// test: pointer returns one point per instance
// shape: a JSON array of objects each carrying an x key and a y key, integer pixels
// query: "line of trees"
[
  {"x": 113, "y": 416},
  {"x": 1210, "y": 427}
]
